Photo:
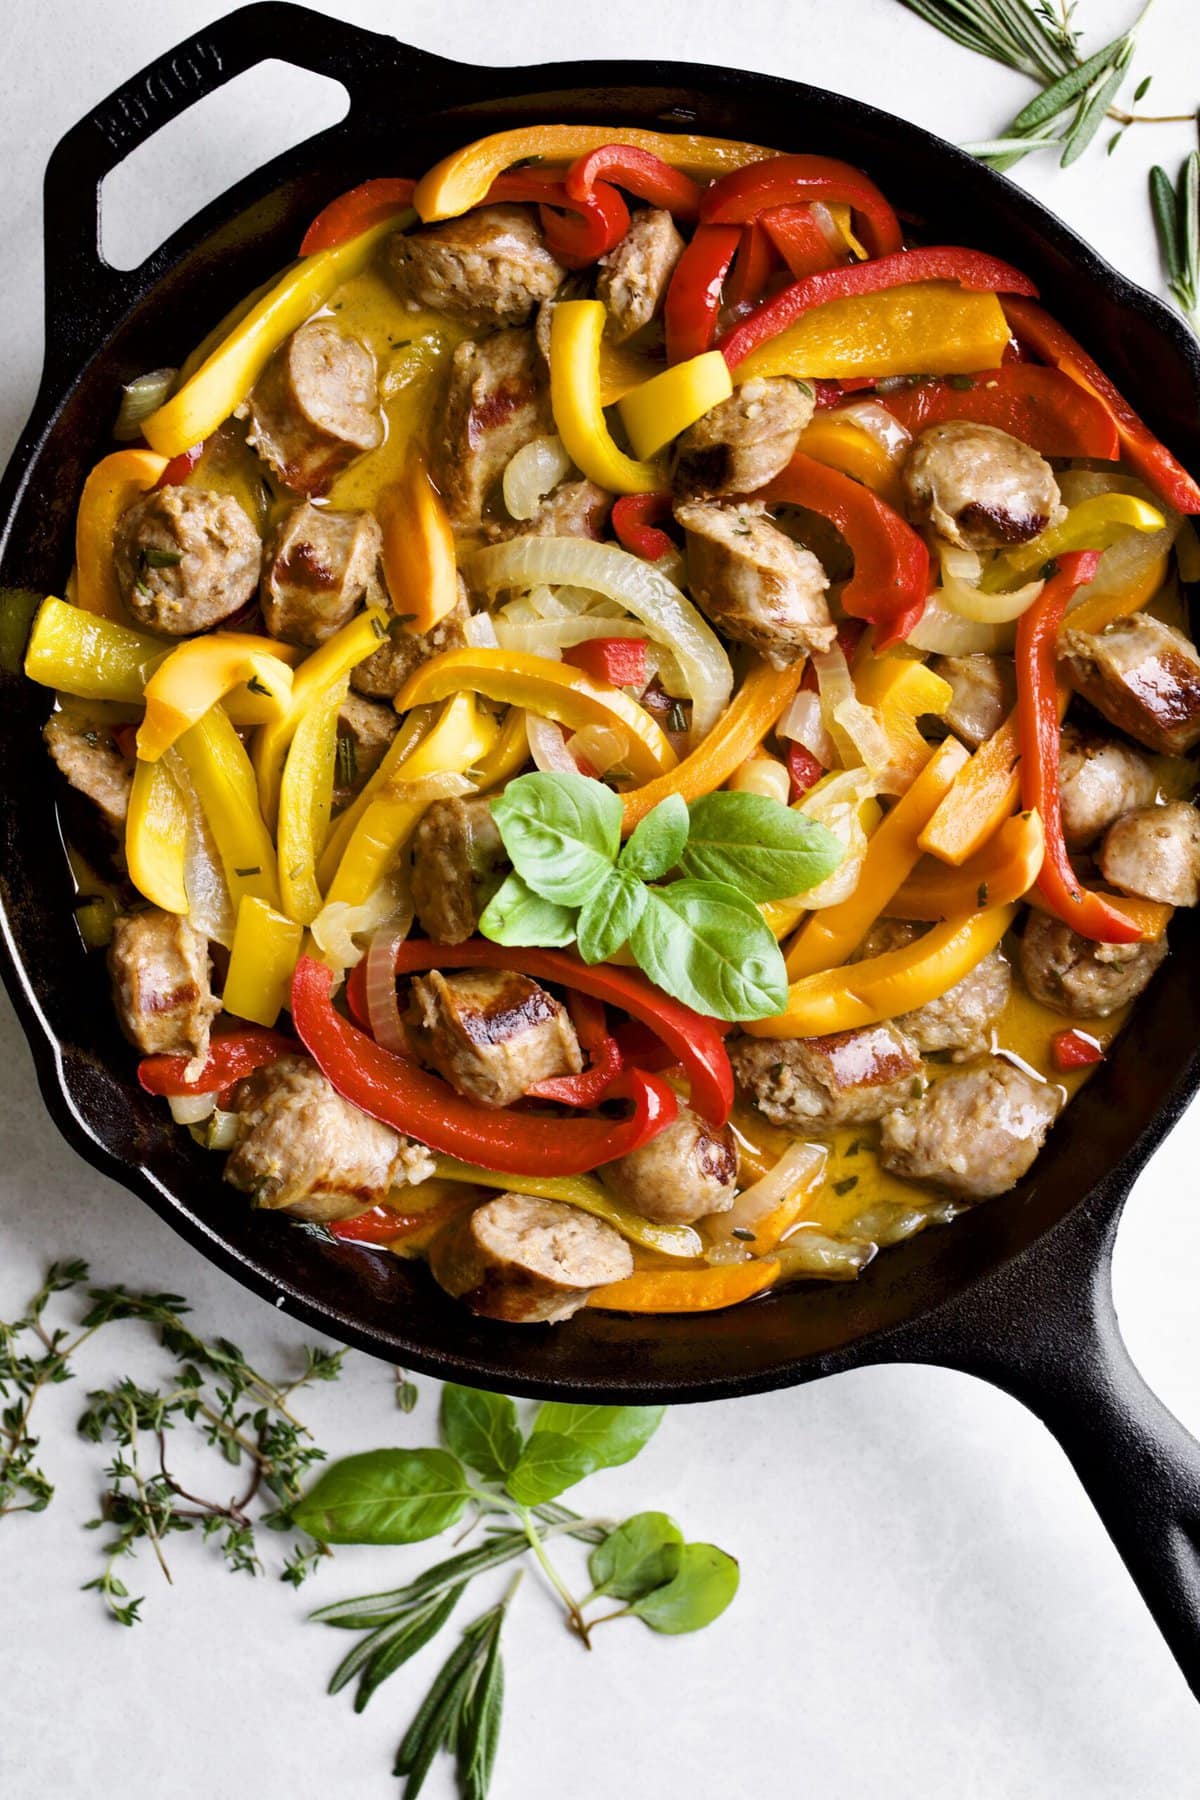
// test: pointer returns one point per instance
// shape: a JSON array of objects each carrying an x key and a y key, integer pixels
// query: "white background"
[{"x": 928, "y": 1607}]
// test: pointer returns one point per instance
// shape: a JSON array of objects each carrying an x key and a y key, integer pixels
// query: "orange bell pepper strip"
[
  {"x": 830, "y": 936},
  {"x": 418, "y": 548},
  {"x": 553, "y": 689},
  {"x": 110, "y": 490},
  {"x": 841, "y": 444},
  {"x": 901, "y": 331},
  {"x": 463, "y": 179},
  {"x": 743, "y": 725},
  {"x": 1150, "y": 916},
  {"x": 686, "y": 1290},
  {"x": 984, "y": 794},
  {"x": 201, "y": 671},
  {"x": 1003, "y": 871}
]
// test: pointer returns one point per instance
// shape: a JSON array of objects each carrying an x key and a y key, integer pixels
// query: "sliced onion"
[
  {"x": 221, "y": 1131},
  {"x": 667, "y": 614},
  {"x": 533, "y": 473},
  {"x": 857, "y": 730},
  {"x": 804, "y": 723},
  {"x": 139, "y": 399},
  {"x": 548, "y": 746},
  {"x": 893, "y": 438},
  {"x": 960, "y": 592},
  {"x": 810, "y": 1255},
  {"x": 942, "y": 632},
  {"x": 837, "y": 802},
  {"x": 762, "y": 774},
  {"x": 383, "y": 1006},
  {"x": 799, "y": 1167},
  {"x": 338, "y": 924},
  {"x": 445, "y": 785},
  {"x": 480, "y": 632},
  {"x": 191, "y": 1109},
  {"x": 550, "y": 637},
  {"x": 598, "y": 745},
  {"x": 210, "y": 909}
]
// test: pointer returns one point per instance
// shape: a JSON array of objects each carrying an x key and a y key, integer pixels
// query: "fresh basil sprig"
[{"x": 700, "y": 937}]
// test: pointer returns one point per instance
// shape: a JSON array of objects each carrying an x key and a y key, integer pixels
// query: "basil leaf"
[
  {"x": 704, "y": 1585},
  {"x": 759, "y": 846},
  {"x": 642, "y": 1554},
  {"x": 657, "y": 842},
  {"x": 562, "y": 833},
  {"x": 384, "y": 1497},
  {"x": 613, "y": 1434},
  {"x": 516, "y": 915},
  {"x": 607, "y": 919},
  {"x": 549, "y": 1464},
  {"x": 708, "y": 945},
  {"x": 481, "y": 1429}
]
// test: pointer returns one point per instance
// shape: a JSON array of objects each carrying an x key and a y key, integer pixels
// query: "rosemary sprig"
[{"x": 1177, "y": 220}]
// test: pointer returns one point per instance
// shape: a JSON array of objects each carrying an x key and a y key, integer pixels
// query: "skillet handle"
[{"x": 85, "y": 295}]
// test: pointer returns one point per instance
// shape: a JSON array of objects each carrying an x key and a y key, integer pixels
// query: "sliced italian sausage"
[
  {"x": 319, "y": 567},
  {"x": 685, "y": 1173},
  {"x": 489, "y": 267},
  {"x": 753, "y": 582},
  {"x": 492, "y": 1034},
  {"x": 185, "y": 559},
  {"x": 162, "y": 984},
  {"x": 821, "y": 1083},
  {"x": 746, "y": 441},
  {"x": 975, "y": 1133},
  {"x": 528, "y": 1261},
  {"x": 978, "y": 487},
  {"x": 315, "y": 407}
]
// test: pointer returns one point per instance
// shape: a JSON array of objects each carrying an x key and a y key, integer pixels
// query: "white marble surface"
[{"x": 929, "y": 1606}]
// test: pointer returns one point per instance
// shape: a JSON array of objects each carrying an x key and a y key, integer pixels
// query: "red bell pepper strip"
[
  {"x": 640, "y": 173},
  {"x": 890, "y": 583},
  {"x": 832, "y": 393},
  {"x": 940, "y": 262},
  {"x": 619, "y": 660},
  {"x": 1039, "y": 736},
  {"x": 803, "y": 768},
  {"x": 635, "y": 521},
  {"x": 356, "y": 211},
  {"x": 747, "y": 193},
  {"x": 1074, "y": 1050},
  {"x": 799, "y": 239},
  {"x": 230, "y": 1057},
  {"x": 381, "y": 1225},
  {"x": 755, "y": 262},
  {"x": 1143, "y": 451},
  {"x": 694, "y": 1041},
  {"x": 694, "y": 295},
  {"x": 180, "y": 467},
  {"x": 577, "y": 231},
  {"x": 1043, "y": 407},
  {"x": 401, "y": 1094},
  {"x": 589, "y": 1088}
]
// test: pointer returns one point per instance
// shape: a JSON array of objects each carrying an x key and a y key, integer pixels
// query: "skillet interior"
[{"x": 408, "y": 111}]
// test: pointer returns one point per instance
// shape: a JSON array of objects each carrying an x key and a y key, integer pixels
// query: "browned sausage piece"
[
  {"x": 1072, "y": 975},
  {"x": 975, "y": 1133},
  {"x": 685, "y": 1173},
  {"x": 161, "y": 980},
  {"x": 319, "y": 567},
  {"x": 961, "y": 1019},
  {"x": 458, "y": 857},
  {"x": 315, "y": 407},
  {"x": 365, "y": 729},
  {"x": 746, "y": 441},
  {"x": 492, "y": 1034},
  {"x": 489, "y": 267},
  {"x": 382, "y": 674},
  {"x": 573, "y": 509},
  {"x": 820, "y": 1083},
  {"x": 984, "y": 693},
  {"x": 302, "y": 1149},
  {"x": 528, "y": 1261},
  {"x": 88, "y": 755},
  {"x": 978, "y": 487},
  {"x": 1155, "y": 852},
  {"x": 496, "y": 403},
  {"x": 632, "y": 278},
  {"x": 755, "y": 583},
  {"x": 1144, "y": 677},
  {"x": 1099, "y": 778},
  {"x": 185, "y": 559}
]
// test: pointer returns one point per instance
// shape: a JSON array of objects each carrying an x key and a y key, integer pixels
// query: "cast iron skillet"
[{"x": 1017, "y": 1291}]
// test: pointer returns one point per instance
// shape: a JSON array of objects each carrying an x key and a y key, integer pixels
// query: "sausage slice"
[
  {"x": 315, "y": 407},
  {"x": 528, "y": 1261},
  {"x": 1099, "y": 778},
  {"x": 687, "y": 1172},
  {"x": 1144, "y": 677},
  {"x": 319, "y": 567},
  {"x": 821, "y": 1083},
  {"x": 185, "y": 559},
  {"x": 492, "y": 1034},
  {"x": 975, "y": 1133},
  {"x": 746, "y": 441},
  {"x": 633, "y": 277},
  {"x": 1155, "y": 852},
  {"x": 1072, "y": 975},
  {"x": 88, "y": 755},
  {"x": 978, "y": 487},
  {"x": 489, "y": 267},
  {"x": 983, "y": 692},
  {"x": 754, "y": 582},
  {"x": 458, "y": 858},
  {"x": 496, "y": 403},
  {"x": 162, "y": 989}
]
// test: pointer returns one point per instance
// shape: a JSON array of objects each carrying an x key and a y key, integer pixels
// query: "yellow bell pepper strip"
[
  {"x": 1095, "y": 524},
  {"x": 462, "y": 179},
  {"x": 306, "y": 801},
  {"x": 509, "y": 753},
  {"x": 459, "y": 739},
  {"x": 110, "y": 490},
  {"x": 830, "y": 936},
  {"x": 223, "y": 381},
  {"x": 265, "y": 950},
  {"x": 686, "y": 1290},
  {"x": 554, "y": 690},
  {"x": 89, "y": 656},
  {"x": 1003, "y": 871},
  {"x": 660, "y": 409},
  {"x": 900, "y": 331},
  {"x": 201, "y": 671},
  {"x": 156, "y": 837},
  {"x": 841, "y": 444},
  {"x": 325, "y": 668},
  {"x": 902, "y": 689},
  {"x": 418, "y": 547},
  {"x": 412, "y": 729},
  {"x": 589, "y": 1196},
  {"x": 225, "y": 786},
  {"x": 576, "y": 331},
  {"x": 743, "y": 725},
  {"x": 883, "y": 987}
]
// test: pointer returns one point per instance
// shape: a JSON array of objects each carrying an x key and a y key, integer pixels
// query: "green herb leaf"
[
  {"x": 550, "y": 1463},
  {"x": 481, "y": 1429},
  {"x": 699, "y": 1592},
  {"x": 757, "y": 845},
  {"x": 642, "y": 1554},
  {"x": 607, "y": 920},
  {"x": 657, "y": 840},
  {"x": 706, "y": 944},
  {"x": 384, "y": 1497},
  {"x": 612, "y": 1434},
  {"x": 516, "y": 915},
  {"x": 562, "y": 833}
]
